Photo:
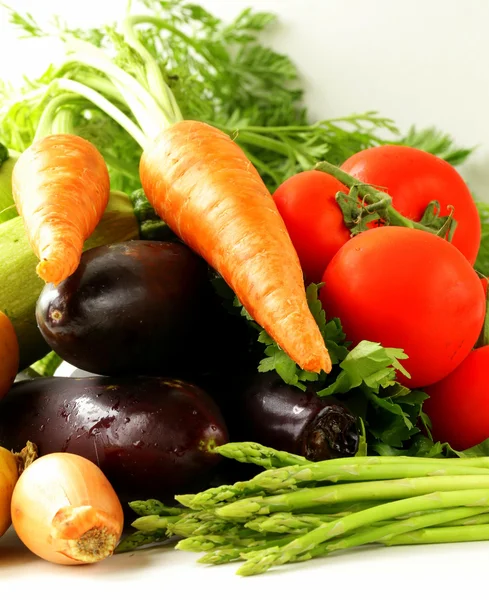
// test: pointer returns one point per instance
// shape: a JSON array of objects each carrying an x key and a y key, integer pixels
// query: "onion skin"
[
  {"x": 65, "y": 510},
  {"x": 9, "y": 474}
]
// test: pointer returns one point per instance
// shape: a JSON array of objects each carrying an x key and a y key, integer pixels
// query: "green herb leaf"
[
  {"x": 436, "y": 142},
  {"x": 482, "y": 262}
]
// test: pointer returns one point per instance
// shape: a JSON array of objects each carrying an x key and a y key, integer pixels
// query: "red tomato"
[
  {"x": 413, "y": 178},
  {"x": 458, "y": 405},
  {"x": 407, "y": 289},
  {"x": 307, "y": 204}
]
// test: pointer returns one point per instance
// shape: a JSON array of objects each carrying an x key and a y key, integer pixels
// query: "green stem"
[
  {"x": 290, "y": 477},
  {"x": 261, "y": 561},
  {"x": 154, "y": 507},
  {"x": 300, "y": 471},
  {"x": 370, "y": 195},
  {"x": 147, "y": 111},
  {"x": 151, "y": 523},
  {"x": 155, "y": 80},
  {"x": 46, "y": 122},
  {"x": 442, "y": 535},
  {"x": 105, "y": 105},
  {"x": 263, "y": 456},
  {"x": 63, "y": 122},
  {"x": 333, "y": 494},
  {"x": 140, "y": 538},
  {"x": 484, "y": 335},
  {"x": 482, "y": 519}
]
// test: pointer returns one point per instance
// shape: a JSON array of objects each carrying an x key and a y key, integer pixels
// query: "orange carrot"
[
  {"x": 202, "y": 184},
  {"x": 61, "y": 188}
]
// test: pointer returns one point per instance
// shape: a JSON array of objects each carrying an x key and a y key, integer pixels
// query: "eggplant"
[
  {"x": 132, "y": 308},
  {"x": 275, "y": 414},
  {"x": 150, "y": 436}
]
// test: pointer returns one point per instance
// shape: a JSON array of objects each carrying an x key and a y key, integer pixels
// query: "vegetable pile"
[{"x": 231, "y": 280}]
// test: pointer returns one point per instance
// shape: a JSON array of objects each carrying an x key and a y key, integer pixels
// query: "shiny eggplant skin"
[
  {"x": 284, "y": 417},
  {"x": 150, "y": 436},
  {"x": 132, "y": 308}
]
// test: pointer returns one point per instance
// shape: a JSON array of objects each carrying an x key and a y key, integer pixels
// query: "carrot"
[
  {"x": 202, "y": 184},
  {"x": 61, "y": 187}
]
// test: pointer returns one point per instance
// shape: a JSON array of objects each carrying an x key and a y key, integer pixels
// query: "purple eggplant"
[
  {"x": 133, "y": 308},
  {"x": 269, "y": 411},
  {"x": 150, "y": 436}
]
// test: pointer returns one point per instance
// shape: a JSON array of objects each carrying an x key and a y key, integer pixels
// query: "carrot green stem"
[
  {"x": 150, "y": 115},
  {"x": 98, "y": 100},
  {"x": 154, "y": 77},
  {"x": 46, "y": 122}
]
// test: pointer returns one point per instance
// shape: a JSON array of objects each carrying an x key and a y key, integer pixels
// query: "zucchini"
[
  {"x": 20, "y": 286},
  {"x": 8, "y": 158}
]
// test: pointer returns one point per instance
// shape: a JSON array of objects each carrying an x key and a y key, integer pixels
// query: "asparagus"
[
  {"x": 145, "y": 508},
  {"x": 152, "y": 523},
  {"x": 140, "y": 538},
  {"x": 194, "y": 527},
  {"x": 379, "y": 490},
  {"x": 366, "y": 535},
  {"x": 251, "y": 452},
  {"x": 349, "y": 469},
  {"x": 246, "y": 539},
  {"x": 262, "y": 560},
  {"x": 442, "y": 535},
  {"x": 220, "y": 556},
  {"x": 284, "y": 522},
  {"x": 482, "y": 519}
]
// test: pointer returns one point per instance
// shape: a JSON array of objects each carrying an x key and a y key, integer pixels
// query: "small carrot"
[
  {"x": 61, "y": 187},
  {"x": 202, "y": 184}
]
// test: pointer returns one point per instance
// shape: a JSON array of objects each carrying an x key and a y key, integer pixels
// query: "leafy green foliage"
[
  {"x": 436, "y": 142},
  {"x": 363, "y": 377},
  {"x": 482, "y": 262},
  {"x": 220, "y": 73},
  {"x": 46, "y": 367}
]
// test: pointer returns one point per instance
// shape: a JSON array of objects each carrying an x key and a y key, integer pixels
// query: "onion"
[
  {"x": 65, "y": 510},
  {"x": 11, "y": 465}
]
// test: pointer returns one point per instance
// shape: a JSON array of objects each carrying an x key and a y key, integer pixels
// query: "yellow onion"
[
  {"x": 65, "y": 510},
  {"x": 11, "y": 465}
]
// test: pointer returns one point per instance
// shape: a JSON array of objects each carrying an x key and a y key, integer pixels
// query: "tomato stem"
[{"x": 379, "y": 201}]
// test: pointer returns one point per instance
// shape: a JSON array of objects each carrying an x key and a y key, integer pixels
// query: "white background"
[{"x": 417, "y": 61}]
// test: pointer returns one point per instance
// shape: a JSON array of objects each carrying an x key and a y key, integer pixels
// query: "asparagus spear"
[
  {"x": 367, "y": 535},
  {"x": 140, "y": 538},
  {"x": 152, "y": 523},
  {"x": 482, "y": 519},
  {"x": 251, "y": 452},
  {"x": 153, "y": 507},
  {"x": 286, "y": 522},
  {"x": 262, "y": 560},
  {"x": 377, "y": 490},
  {"x": 349, "y": 469},
  {"x": 442, "y": 535}
]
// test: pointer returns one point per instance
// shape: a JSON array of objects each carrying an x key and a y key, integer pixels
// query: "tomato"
[
  {"x": 314, "y": 220},
  {"x": 458, "y": 405},
  {"x": 407, "y": 289},
  {"x": 413, "y": 178}
]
